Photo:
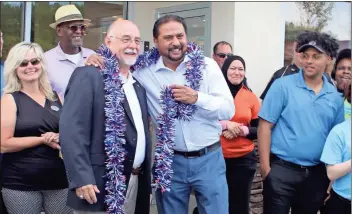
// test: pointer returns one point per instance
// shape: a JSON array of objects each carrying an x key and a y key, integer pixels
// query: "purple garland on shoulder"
[
  {"x": 115, "y": 128},
  {"x": 171, "y": 110}
]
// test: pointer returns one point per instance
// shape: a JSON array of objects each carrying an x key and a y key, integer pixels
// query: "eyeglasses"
[
  {"x": 222, "y": 55},
  {"x": 128, "y": 39},
  {"x": 34, "y": 61},
  {"x": 74, "y": 28}
]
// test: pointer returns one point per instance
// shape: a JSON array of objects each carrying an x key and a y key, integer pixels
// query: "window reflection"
[
  {"x": 11, "y": 24},
  {"x": 43, "y": 14},
  {"x": 102, "y": 14}
]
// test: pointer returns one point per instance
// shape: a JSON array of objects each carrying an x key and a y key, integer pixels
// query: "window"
[
  {"x": 101, "y": 14},
  {"x": 12, "y": 23},
  {"x": 43, "y": 14}
]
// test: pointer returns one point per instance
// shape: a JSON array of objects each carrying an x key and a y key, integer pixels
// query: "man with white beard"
[{"x": 104, "y": 134}]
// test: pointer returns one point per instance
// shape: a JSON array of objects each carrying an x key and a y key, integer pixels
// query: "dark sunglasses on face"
[
  {"x": 222, "y": 55},
  {"x": 34, "y": 61},
  {"x": 74, "y": 28}
]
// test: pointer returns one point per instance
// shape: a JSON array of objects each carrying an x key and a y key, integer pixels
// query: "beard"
[
  {"x": 77, "y": 42},
  {"x": 177, "y": 58},
  {"x": 129, "y": 61}
]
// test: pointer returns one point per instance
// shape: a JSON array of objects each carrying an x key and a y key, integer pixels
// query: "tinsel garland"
[
  {"x": 171, "y": 110},
  {"x": 115, "y": 128}
]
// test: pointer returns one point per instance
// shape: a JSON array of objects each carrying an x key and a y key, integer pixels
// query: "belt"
[
  {"x": 293, "y": 165},
  {"x": 199, "y": 153},
  {"x": 136, "y": 171}
]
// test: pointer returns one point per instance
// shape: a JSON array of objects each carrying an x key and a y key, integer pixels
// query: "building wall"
[
  {"x": 222, "y": 26},
  {"x": 256, "y": 30},
  {"x": 259, "y": 39}
]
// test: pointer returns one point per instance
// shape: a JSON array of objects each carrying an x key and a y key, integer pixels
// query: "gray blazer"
[{"x": 82, "y": 125}]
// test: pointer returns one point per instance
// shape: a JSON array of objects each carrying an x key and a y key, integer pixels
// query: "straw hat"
[{"x": 68, "y": 13}]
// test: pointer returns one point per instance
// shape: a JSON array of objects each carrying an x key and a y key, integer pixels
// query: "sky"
[{"x": 339, "y": 25}]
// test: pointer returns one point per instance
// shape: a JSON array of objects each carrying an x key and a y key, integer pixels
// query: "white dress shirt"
[
  {"x": 133, "y": 102},
  {"x": 215, "y": 102}
]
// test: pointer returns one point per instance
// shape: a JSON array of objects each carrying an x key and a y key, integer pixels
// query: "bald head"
[
  {"x": 120, "y": 26},
  {"x": 123, "y": 39}
]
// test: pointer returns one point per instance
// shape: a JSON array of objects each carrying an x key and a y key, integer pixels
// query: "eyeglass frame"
[{"x": 129, "y": 39}]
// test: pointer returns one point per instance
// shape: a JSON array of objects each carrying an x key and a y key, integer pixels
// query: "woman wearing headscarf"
[{"x": 238, "y": 135}]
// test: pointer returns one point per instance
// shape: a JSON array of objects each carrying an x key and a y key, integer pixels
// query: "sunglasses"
[
  {"x": 74, "y": 28},
  {"x": 222, "y": 55},
  {"x": 34, "y": 61}
]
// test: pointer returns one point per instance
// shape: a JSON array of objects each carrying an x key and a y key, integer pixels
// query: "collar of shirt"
[
  {"x": 159, "y": 66},
  {"x": 128, "y": 80},
  {"x": 62, "y": 56},
  {"x": 327, "y": 87}
]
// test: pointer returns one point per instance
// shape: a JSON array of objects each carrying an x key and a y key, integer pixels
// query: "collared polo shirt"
[
  {"x": 302, "y": 120},
  {"x": 60, "y": 68},
  {"x": 347, "y": 107},
  {"x": 337, "y": 150}
]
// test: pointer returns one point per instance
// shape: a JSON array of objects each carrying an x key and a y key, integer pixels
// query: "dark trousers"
[
  {"x": 288, "y": 186},
  {"x": 239, "y": 174},
  {"x": 337, "y": 205}
]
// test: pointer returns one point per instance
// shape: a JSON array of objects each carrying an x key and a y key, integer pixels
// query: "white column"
[
  {"x": 27, "y": 21},
  {"x": 259, "y": 39}
]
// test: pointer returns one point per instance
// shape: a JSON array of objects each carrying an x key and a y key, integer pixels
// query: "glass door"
[{"x": 197, "y": 18}]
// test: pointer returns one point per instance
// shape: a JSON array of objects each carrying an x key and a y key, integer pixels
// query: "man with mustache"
[
  {"x": 104, "y": 133},
  {"x": 187, "y": 96},
  {"x": 62, "y": 60},
  {"x": 197, "y": 162},
  {"x": 296, "y": 117}
]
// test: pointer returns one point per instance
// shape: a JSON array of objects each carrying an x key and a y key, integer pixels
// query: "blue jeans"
[{"x": 206, "y": 175}]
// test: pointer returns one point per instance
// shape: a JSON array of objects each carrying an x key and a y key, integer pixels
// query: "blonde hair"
[{"x": 15, "y": 57}]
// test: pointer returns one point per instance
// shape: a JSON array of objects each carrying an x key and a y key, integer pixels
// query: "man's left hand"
[{"x": 184, "y": 94}]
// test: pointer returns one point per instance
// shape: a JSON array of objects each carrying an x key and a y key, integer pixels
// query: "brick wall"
[{"x": 256, "y": 200}]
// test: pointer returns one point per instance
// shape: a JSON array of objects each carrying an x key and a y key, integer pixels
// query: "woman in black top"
[{"x": 33, "y": 173}]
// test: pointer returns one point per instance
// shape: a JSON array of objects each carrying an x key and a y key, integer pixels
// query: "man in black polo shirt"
[{"x": 293, "y": 68}]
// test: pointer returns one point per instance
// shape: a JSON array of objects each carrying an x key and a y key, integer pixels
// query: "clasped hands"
[
  {"x": 233, "y": 130},
  {"x": 51, "y": 139}
]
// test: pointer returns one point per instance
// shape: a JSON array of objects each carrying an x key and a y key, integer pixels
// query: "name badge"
[{"x": 55, "y": 108}]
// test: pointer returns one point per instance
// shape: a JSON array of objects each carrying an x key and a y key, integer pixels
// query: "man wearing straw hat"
[{"x": 62, "y": 60}]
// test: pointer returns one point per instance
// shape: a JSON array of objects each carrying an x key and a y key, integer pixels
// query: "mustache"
[
  {"x": 130, "y": 51},
  {"x": 175, "y": 47}
]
